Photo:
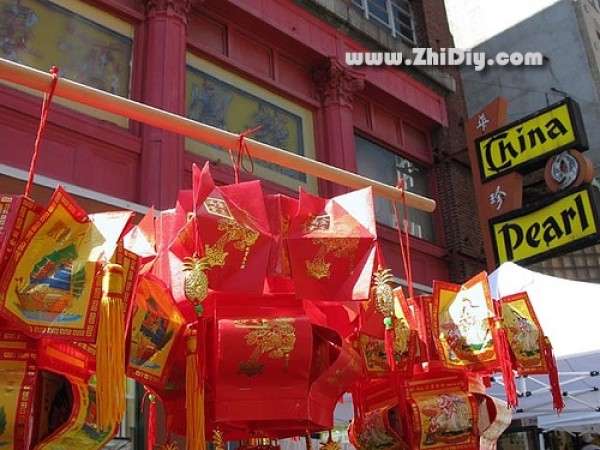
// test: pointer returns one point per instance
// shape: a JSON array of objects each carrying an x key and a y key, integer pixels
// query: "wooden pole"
[{"x": 70, "y": 90}]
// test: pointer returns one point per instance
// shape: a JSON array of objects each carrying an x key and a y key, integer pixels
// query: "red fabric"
[
  {"x": 151, "y": 441},
  {"x": 233, "y": 220},
  {"x": 503, "y": 352},
  {"x": 557, "y": 398},
  {"x": 331, "y": 246}
]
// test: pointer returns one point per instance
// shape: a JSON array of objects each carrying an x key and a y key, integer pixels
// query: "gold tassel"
[
  {"x": 110, "y": 350},
  {"x": 194, "y": 396}
]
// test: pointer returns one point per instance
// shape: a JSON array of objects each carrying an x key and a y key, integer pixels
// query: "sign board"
[
  {"x": 568, "y": 222},
  {"x": 527, "y": 144}
]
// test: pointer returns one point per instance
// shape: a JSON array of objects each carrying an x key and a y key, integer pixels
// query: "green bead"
[
  {"x": 151, "y": 398},
  {"x": 387, "y": 321},
  {"x": 199, "y": 309}
]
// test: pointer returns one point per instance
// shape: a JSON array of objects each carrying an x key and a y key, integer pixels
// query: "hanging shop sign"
[
  {"x": 528, "y": 143},
  {"x": 569, "y": 222}
]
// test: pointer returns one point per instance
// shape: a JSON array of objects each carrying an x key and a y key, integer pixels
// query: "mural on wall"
[
  {"x": 222, "y": 105},
  {"x": 41, "y": 34}
]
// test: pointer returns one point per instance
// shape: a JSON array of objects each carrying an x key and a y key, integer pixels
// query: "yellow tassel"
[
  {"x": 194, "y": 396},
  {"x": 110, "y": 350}
]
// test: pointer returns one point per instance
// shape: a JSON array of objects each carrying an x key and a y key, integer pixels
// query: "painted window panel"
[
  {"x": 87, "y": 46},
  {"x": 223, "y": 100}
]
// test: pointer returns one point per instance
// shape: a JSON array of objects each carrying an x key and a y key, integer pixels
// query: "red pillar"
[
  {"x": 163, "y": 86},
  {"x": 336, "y": 86}
]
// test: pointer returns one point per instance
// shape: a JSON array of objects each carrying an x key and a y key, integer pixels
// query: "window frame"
[
  {"x": 395, "y": 12},
  {"x": 398, "y": 155}
]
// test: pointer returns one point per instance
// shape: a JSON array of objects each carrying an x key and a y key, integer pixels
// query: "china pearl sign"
[
  {"x": 502, "y": 154},
  {"x": 529, "y": 142}
]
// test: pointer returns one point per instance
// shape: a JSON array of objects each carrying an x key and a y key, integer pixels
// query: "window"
[
  {"x": 224, "y": 100},
  {"x": 395, "y": 15},
  {"x": 380, "y": 164}
]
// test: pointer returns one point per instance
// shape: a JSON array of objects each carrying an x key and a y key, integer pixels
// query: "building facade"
[
  {"x": 280, "y": 65},
  {"x": 565, "y": 33}
]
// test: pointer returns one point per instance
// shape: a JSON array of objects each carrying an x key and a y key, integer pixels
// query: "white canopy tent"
[{"x": 569, "y": 314}]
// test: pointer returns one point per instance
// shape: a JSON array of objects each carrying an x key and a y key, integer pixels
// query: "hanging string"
[
  {"x": 404, "y": 252},
  {"x": 43, "y": 118},
  {"x": 242, "y": 150}
]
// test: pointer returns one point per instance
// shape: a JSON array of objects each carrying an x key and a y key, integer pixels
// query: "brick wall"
[{"x": 463, "y": 237}]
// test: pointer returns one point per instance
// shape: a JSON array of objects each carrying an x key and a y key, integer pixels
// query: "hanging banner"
[
  {"x": 524, "y": 333},
  {"x": 462, "y": 324},
  {"x": 51, "y": 284},
  {"x": 529, "y": 142},
  {"x": 569, "y": 222},
  {"x": 17, "y": 213},
  {"x": 444, "y": 414},
  {"x": 17, "y": 383},
  {"x": 156, "y": 325},
  {"x": 80, "y": 431}
]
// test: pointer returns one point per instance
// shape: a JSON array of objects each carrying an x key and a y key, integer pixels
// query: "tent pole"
[{"x": 70, "y": 90}]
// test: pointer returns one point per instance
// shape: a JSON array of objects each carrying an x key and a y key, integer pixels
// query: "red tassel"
[
  {"x": 503, "y": 353},
  {"x": 151, "y": 436},
  {"x": 557, "y": 399},
  {"x": 389, "y": 337}
]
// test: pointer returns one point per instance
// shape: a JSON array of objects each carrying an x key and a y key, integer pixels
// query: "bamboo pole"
[{"x": 70, "y": 90}]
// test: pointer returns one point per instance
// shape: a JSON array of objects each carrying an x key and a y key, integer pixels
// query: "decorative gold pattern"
[
  {"x": 318, "y": 268},
  {"x": 382, "y": 291},
  {"x": 242, "y": 236},
  {"x": 317, "y": 223},
  {"x": 218, "y": 207},
  {"x": 218, "y": 439},
  {"x": 274, "y": 337},
  {"x": 169, "y": 445},
  {"x": 330, "y": 445},
  {"x": 196, "y": 281},
  {"x": 330, "y": 243}
]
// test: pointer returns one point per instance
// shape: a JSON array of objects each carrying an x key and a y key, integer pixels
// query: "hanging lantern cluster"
[{"x": 246, "y": 317}]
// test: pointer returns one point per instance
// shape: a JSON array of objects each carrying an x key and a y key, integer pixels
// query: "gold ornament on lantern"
[{"x": 382, "y": 291}]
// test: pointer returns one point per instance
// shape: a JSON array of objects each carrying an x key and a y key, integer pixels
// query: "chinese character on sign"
[
  {"x": 497, "y": 198},
  {"x": 482, "y": 122}
]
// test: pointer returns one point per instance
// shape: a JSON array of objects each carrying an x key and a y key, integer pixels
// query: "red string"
[
  {"x": 405, "y": 253},
  {"x": 44, "y": 117},
  {"x": 242, "y": 149}
]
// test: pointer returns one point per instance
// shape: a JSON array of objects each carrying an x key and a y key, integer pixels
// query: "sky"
[{"x": 474, "y": 21}]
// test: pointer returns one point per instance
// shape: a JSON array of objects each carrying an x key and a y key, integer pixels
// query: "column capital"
[
  {"x": 171, "y": 7},
  {"x": 336, "y": 83}
]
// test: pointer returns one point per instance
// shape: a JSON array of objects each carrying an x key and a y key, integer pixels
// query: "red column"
[
  {"x": 163, "y": 86},
  {"x": 336, "y": 85}
]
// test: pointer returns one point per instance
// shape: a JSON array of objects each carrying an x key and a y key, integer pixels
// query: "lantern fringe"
[
  {"x": 504, "y": 357},
  {"x": 194, "y": 397},
  {"x": 110, "y": 350},
  {"x": 557, "y": 397}
]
